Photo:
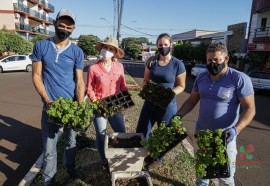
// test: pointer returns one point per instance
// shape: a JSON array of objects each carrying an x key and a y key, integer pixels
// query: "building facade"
[
  {"x": 234, "y": 37},
  {"x": 26, "y": 17},
  {"x": 259, "y": 33}
]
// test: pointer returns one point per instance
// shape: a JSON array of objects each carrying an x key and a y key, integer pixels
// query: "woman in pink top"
[{"x": 104, "y": 79}]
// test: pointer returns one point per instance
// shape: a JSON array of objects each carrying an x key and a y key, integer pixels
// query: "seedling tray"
[
  {"x": 179, "y": 138},
  {"x": 218, "y": 171},
  {"x": 77, "y": 129},
  {"x": 115, "y": 103},
  {"x": 157, "y": 94}
]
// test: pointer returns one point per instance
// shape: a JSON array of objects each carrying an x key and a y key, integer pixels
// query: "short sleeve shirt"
[
  {"x": 219, "y": 99},
  {"x": 58, "y": 67},
  {"x": 166, "y": 75}
]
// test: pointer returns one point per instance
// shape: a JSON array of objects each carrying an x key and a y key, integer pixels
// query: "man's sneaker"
[
  {"x": 74, "y": 175},
  {"x": 155, "y": 165}
]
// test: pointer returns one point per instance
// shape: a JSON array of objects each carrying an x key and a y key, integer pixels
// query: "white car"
[
  {"x": 197, "y": 69},
  {"x": 260, "y": 80},
  {"x": 15, "y": 62},
  {"x": 92, "y": 58}
]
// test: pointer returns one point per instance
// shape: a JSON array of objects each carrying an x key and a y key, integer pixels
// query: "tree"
[
  {"x": 13, "y": 42},
  {"x": 189, "y": 52},
  {"x": 133, "y": 40},
  {"x": 133, "y": 51},
  {"x": 87, "y": 44},
  {"x": 38, "y": 38}
]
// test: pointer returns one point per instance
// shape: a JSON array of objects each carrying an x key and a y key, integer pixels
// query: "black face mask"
[
  {"x": 164, "y": 50},
  {"x": 215, "y": 68},
  {"x": 62, "y": 34}
]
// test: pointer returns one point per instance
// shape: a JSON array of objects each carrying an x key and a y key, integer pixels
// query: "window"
[
  {"x": 263, "y": 24},
  {"x": 21, "y": 58},
  {"x": 10, "y": 59}
]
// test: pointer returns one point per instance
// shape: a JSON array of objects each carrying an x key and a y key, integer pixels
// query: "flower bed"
[
  {"x": 212, "y": 160},
  {"x": 65, "y": 112},
  {"x": 163, "y": 139},
  {"x": 118, "y": 102},
  {"x": 157, "y": 94},
  {"x": 131, "y": 178}
]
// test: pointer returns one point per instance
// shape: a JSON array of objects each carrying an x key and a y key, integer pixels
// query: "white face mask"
[{"x": 106, "y": 54}]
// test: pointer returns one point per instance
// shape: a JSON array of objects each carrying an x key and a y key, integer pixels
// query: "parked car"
[
  {"x": 15, "y": 62},
  {"x": 197, "y": 69},
  {"x": 188, "y": 65},
  {"x": 126, "y": 57},
  {"x": 92, "y": 57},
  {"x": 260, "y": 80}
]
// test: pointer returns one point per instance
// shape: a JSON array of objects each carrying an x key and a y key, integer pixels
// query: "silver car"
[
  {"x": 197, "y": 69},
  {"x": 260, "y": 80}
]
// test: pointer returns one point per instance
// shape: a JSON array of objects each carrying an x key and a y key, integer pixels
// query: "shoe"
[
  {"x": 74, "y": 175},
  {"x": 105, "y": 166},
  {"x": 155, "y": 165},
  {"x": 50, "y": 182}
]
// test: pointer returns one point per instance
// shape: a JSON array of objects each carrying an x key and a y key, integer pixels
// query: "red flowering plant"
[{"x": 212, "y": 151}]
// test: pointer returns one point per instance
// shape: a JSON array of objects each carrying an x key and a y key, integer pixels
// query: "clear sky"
[{"x": 153, "y": 17}]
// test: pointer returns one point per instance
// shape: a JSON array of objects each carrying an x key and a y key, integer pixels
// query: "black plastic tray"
[
  {"x": 179, "y": 138},
  {"x": 219, "y": 171},
  {"x": 67, "y": 125},
  {"x": 122, "y": 99},
  {"x": 156, "y": 96}
]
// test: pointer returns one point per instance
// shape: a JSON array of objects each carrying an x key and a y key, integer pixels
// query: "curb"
[{"x": 29, "y": 177}]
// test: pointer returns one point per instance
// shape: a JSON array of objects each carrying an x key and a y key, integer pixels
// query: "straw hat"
[{"x": 112, "y": 42}]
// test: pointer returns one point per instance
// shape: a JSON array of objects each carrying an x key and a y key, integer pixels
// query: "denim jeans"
[
  {"x": 151, "y": 113},
  {"x": 50, "y": 135},
  {"x": 117, "y": 123},
  {"x": 232, "y": 153}
]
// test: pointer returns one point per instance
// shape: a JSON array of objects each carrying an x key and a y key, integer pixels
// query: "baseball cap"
[{"x": 66, "y": 12}]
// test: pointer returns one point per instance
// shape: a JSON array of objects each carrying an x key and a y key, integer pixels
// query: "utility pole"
[{"x": 119, "y": 14}]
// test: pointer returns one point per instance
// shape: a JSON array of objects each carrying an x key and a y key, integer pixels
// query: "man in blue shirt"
[
  {"x": 221, "y": 91},
  {"x": 58, "y": 71}
]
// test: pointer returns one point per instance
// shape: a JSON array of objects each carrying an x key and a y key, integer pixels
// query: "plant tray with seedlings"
[
  {"x": 157, "y": 94},
  {"x": 112, "y": 104},
  {"x": 131, "y": 178},
  {"x": 165, "y": 138},
  {"x": 211, "y": 158},
  {"x": 71, "y": 114}
]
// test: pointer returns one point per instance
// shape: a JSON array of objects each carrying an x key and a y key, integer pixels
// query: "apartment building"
[
  {"x": 26, "y": 17},
  {"x": 259, "y": 31}
]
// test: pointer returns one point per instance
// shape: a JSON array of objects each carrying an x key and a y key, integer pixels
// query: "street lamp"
[{"x": 109, "y": 23}]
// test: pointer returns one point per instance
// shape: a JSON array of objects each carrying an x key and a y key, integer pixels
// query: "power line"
[{"x": 137, "y": 31}]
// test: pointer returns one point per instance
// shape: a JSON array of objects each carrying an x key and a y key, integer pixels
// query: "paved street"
[
  {"x": 250, "y": 172},
  {"x": 20, "y": 136}
]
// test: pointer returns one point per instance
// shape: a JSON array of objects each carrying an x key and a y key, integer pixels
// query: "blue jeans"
[
  {"x": 117, "y": 123},
  {"x": 151, "y": 113},
  {"x": 232, "y": 153},
  {"x": 50, "y": 135}
]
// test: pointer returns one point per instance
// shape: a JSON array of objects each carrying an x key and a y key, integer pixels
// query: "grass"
[{"x": 177, "y": 168}]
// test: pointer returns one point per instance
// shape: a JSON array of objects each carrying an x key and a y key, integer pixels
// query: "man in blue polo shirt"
[
  {"x": 221, "y": 91},
  {"x": 58, "y": 71}
]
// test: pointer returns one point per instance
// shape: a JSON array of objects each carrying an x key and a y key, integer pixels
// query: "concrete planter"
[
  {"x": 124, "y": 159},
  {"x": 131, "y": 175}
]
